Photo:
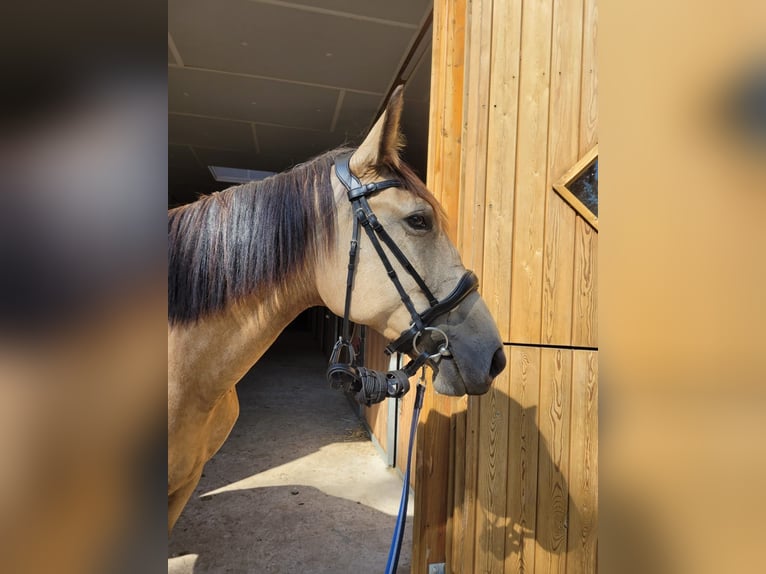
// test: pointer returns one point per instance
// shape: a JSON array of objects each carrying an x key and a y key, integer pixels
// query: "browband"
[{"x": 354, "y": 187}]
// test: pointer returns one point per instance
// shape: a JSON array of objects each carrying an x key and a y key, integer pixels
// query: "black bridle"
[{"x": 373, "y": 386}]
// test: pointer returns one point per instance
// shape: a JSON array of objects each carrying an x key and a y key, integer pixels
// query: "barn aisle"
[{"x": 298, "y": 487}]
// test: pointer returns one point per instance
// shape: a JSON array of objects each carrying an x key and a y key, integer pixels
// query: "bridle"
[{"x": 373, "y": 386}]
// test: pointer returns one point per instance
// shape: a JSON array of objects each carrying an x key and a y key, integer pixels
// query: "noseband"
[{"x": 374, "y": 386}]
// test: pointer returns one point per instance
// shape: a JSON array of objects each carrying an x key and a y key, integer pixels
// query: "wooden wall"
[
  {"x": 507, "y": 482},
  {"x": 378, "y": 416}
]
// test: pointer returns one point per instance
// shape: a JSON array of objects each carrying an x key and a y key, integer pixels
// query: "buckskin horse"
[{"x": 244, "y": 262}]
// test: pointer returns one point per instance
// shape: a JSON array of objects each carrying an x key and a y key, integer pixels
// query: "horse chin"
[{"x": 448, "y": 380}]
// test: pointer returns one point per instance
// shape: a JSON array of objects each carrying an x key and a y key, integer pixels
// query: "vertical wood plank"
[
  {"x": 444, "y": 142},
  {"x": 558, "y": 272},
  {"x": 456, "y": 478},
  {"x": 436, "y": 105},
  {"x": 593, "y": 339},
  {"x": 446, "y": 114},
  {"x": 566, "y": 70},
  {"x": 583, "y": 472},
  {"x": 470, "y": 241},
  {"x": 431, "y": 483},
  {"x": 585, "y": 312},
  {"x": 531, "y": 172},
  {"x": 377, "y": 415},
  {"x": 493, "y": 475},
  {"x": 563, "y": 152},
  {"x": 464, "y": 528},
  {"x": 553, "y": 460},
  {"x": 589, "y": 105},
  {"x": 500, "y": 160},
  {"x": 452, "y": 115},
  {"x": 447, "y": 163},
  {"x": 521, "y": 506},
  {"x": 377, "y": 419}
]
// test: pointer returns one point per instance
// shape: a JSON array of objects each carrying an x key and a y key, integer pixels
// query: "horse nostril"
[{"x": 498, "y": 363}]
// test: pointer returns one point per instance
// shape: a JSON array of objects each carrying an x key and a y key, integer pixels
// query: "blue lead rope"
[{"x": 396, "y": 541}]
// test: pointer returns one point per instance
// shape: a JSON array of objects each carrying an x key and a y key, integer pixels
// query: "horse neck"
[
  {"x": 244, "y": 307},
  {"x": 214, "y": 353}
]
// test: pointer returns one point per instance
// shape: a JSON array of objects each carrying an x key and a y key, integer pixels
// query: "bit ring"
[{"x": 443, "y": 350}]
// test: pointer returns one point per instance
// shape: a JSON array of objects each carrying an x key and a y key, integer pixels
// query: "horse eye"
[{"x": 418, "y": 221}]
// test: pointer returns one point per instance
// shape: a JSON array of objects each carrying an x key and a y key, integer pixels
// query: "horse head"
[{"x": 376, "y": 188}]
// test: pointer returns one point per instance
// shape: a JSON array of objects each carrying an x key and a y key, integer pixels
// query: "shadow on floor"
[{"x": 297, "y": 487}]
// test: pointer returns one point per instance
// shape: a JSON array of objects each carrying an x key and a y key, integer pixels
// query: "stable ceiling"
[{"x": 266, "y": 84}]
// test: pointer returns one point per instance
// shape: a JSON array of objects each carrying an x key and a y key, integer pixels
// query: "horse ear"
[{"x": 383, "y": 143}]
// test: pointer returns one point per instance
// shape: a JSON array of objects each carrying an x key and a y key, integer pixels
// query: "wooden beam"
[
  {"x": 583, "y": 471},
  {"x": 531, "y": 158}
]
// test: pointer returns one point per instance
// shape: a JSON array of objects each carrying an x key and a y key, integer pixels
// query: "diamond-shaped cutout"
[{"x": 579, "y": 187}]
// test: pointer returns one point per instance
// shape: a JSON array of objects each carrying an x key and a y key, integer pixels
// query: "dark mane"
[
  {"x": 255, "y": 237},
  {"x": 248, "y": 238}
]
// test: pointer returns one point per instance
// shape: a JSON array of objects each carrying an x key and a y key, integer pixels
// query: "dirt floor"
[{"x": 298, "y": 486}]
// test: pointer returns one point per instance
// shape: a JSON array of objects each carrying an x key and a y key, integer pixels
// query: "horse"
[{"x": 245, "y": 262}]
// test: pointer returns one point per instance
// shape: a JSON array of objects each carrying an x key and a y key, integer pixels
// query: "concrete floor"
[{"x": 298, "y": 486}]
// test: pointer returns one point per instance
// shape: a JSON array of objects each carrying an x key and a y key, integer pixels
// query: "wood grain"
[
  {"x": 452, "y": 115},
  {"x": 431, "y": 483},
  {"x": 456, "y": 478},
  {"x": 493, "y": 476},
  {"x": 521, "y": 507},
  {"x": 519, "y": 79},
  {"x": 446, "y": 114},
  {"x": 585, "y": 309},
  {"x": 583, "y": 472},
  {"x": 470, "y": 240},
  {"x": 500, "y": 160},
  {"x": 566, "y": 70},
  {"x": 563, "y": 152},
  {"x": 461, "y": 516},
  {"x": 377, "y": 415},
  {"x": 589, "y": 90},
  {"x": 553, "y": 463},
  {"x": 531, "y": 172},
  {"x": 558, "y": 273},
  {"x": 464, "y": 525},
  {"x": 444, "y": 168}
]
